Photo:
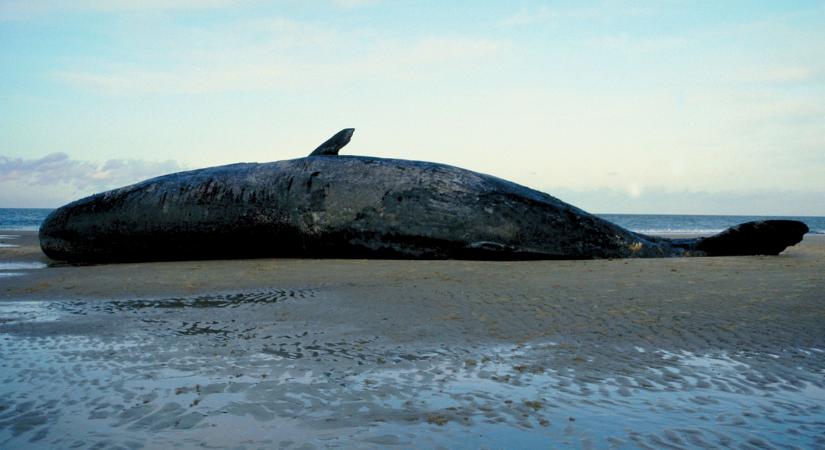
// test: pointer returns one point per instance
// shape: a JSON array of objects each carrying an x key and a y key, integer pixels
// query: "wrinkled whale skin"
[{"x": 351, "y": 207}]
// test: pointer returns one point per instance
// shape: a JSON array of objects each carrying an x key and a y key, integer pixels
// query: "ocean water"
[
  {"x": 698, "y": 224},
  {"x": 22, "y": 218},
  {"x": 31, "y": 218}
]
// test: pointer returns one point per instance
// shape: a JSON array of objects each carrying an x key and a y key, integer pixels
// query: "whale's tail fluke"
[{"x": 764, "y": 237}]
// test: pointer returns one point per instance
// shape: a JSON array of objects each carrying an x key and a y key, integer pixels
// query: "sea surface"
[
  {"x": 22, "y": 218},
  {"x": 698, "y": 224},
  {"x": 31, "y": 218}
]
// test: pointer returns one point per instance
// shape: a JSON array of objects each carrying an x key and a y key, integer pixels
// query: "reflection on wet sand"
[
  {"x": 234, "y": 370},
  {"x": 19, "y": 265}
]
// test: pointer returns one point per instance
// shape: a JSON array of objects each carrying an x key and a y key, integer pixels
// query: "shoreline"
[{"x": 374, "y": 353}]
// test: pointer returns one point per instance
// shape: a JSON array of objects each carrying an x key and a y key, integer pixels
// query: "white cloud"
[
  {"x": 28, "y": 8},
  {"x": 778, "y": 75},
  {"x": 527, "y": 16},
  {"x": 282, "y": 55},
  {"x": 16, "y": 9},
  {"x": 439, "y": 50},
  {"x": 545, "y": 14},
  {"x": 631, "y": 44},
  {"x": 193, "y": 79},
  {"x": 60, "y": 169},
  {"x": 660, "y": 200},
  {"x": 354, "y": 3}
]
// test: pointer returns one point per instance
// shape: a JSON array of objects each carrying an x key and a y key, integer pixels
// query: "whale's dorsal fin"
[{"x": 333, "y": 144}]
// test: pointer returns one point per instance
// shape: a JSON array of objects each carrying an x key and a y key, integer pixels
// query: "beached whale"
[{"x": 331, "y": 206}]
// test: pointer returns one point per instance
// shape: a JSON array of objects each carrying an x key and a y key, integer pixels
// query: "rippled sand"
[{"x": 300, "y": 353}]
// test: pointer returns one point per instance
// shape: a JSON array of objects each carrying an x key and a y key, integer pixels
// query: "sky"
[{"x": 670, "y": 106}]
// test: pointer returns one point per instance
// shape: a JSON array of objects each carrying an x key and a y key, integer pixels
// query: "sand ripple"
[{"x": 237, "y": 369}]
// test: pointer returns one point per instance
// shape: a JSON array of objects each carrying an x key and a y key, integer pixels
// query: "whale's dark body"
[{"x": 352, "y": 206}]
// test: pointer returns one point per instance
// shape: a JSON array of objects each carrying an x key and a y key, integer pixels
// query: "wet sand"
[{"x": 269, "y": 353}]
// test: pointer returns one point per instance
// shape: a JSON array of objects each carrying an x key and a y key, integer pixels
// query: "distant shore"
[{"x": 679, "y": 351}]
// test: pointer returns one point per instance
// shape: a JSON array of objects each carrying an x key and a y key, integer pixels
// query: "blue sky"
[{"x": 615, "y": 106}]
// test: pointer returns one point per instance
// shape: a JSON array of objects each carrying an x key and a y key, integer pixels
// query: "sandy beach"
[{"x": 294, "y": 353}]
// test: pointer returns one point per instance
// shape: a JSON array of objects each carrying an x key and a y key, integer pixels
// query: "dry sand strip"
[{"x": 693, "y": 352}]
